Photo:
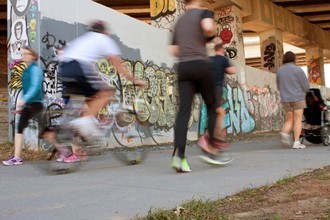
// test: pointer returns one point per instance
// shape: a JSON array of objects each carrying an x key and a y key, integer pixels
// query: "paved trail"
[{"x": 106, "y": 189}]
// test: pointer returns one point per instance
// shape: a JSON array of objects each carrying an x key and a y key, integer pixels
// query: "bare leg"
[
  {"x": 287, "y": 126},
  {"x": 297, "y": 123},
  {"x": 18, "y": 144},
  {"x": 218, "y": 129},
  {"x": 100, "y": 100},
  {"x": 50, "y": 136}
]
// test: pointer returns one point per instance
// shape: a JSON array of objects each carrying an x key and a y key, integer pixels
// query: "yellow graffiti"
[
  {"x": 16, "y": 73},
  {"x": 160, "y": 8},
  {"x": 155, "y": 105},
  {"x": 104, "y": 67}
]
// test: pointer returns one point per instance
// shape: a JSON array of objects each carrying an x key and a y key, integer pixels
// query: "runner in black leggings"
[
  {"x": 194, "y": 77},
  {"x": 31, "y": 102},
  {"x": 192, "y": 31}
]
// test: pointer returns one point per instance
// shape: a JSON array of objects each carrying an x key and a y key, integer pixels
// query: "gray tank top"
[{"x": 188, "y": 35}]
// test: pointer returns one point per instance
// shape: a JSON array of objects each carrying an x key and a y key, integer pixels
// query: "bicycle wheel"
[
  {"x": 51, "y": 134},
  {"x": 130, "y": 155},
  {"x": 325, "y": 135}
]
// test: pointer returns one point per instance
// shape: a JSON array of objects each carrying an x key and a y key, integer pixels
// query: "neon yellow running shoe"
[{"x": 180, "y": 165}]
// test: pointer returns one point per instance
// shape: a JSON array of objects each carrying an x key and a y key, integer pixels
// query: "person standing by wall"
[
  {"x": 293, "y": 85},
  {"x": 31, "y": 102},
  {"x": 220, "y": 66},
  {"x": 192, "y": 31}
]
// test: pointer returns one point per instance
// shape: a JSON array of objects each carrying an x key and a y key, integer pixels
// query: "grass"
[
  {"x": 194, "y": 209},
  {"x": 253, "y": 199}
]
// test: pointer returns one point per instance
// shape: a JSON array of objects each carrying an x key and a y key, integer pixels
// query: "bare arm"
[
  {"x": 174, "y": 50},
  {"x": 117, "y": 62},
  {"x": 208, "y": 27},
  {"x": 231, "y": 70},
  {"x": 122, "y": 70}
]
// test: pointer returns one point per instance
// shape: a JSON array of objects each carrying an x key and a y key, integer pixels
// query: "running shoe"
[
  {"x": 204, "y": 143},
  {"x": 62, "y": 153},
  {"x": 60, "y": 158},
  {"x": 72, "y": 159},
  {"x": 13, "y": 161},
  {"x": 221, "y": 159},
  {"x": 180, "y": 165},
  {"x": 298, "y": 145}
]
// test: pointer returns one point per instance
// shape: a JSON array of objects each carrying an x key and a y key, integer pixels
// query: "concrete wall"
[{"x": 252, "y": 98}]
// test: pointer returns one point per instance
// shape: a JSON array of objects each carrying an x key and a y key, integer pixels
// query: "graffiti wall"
[
  {"x": 136, "y": 116},
  {"x": 249, "y": 108},
  {"x": 163, "y": 13},
  {"x": 229, "y": 28}
]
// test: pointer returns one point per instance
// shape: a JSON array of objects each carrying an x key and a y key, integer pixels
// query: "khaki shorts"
[{"x": 291, "y": 106}]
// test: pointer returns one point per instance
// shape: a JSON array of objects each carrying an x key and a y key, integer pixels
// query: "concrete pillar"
[
  {"x": 315, "y": 65},
  {"x": 229, "y": 29},
  {"x": 271, "y": 46}
]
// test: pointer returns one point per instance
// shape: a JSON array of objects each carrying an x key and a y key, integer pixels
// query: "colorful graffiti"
[
  {"x": 229, "y": 30},
  {"x": 22, "y": 26},
  {"x": 164, "y": 13},
  {"x": 161, "y": 8},
  {"x": 314, "y": 71},
  {"x": 248, "y": 109}
]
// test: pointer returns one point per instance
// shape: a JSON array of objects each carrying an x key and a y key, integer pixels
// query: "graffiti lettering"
[{"x": 269, "y": 56}]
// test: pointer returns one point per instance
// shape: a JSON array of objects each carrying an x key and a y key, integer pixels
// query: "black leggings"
[
  {"x": 28, "y": 112},
  {"x": 194, "y": 77}
]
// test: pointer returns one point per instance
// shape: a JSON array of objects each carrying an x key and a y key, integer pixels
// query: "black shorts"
[{"x": 75, "y": 80}]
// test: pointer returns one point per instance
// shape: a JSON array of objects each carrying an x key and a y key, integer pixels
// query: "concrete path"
[{"x": 106, "y": 189}]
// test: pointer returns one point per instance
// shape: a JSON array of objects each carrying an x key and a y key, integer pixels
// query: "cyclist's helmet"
[{"x": 98, "y": 26}]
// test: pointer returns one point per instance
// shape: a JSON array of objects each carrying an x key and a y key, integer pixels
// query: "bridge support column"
[
  {"x": 229, "y": 29},
  {"x": 315, "y": 65},
  {"x": 271, "y": 46}
]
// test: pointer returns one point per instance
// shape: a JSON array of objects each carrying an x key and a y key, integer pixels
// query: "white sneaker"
[
  {"x": 285, "y": 139},
  {"x": 298, "y": 145},
  {"x": 86, "y": 127}
]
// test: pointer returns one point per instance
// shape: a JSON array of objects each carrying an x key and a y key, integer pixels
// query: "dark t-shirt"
[
  {"x": 219, "y": 64},
  {"x": 188, "y": 35}
]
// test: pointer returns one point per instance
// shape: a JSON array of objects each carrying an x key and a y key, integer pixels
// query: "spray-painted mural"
[
  {"x": 229, "y": 30},
  {"x": 163, "y": 13},
  {"x": 248, "y": 109},
  {"x": 271, "y": 54},
  {"x": 314, "y": 70}
]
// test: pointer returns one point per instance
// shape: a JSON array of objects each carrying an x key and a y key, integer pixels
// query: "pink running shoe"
[{"x": 72, "y": 159}]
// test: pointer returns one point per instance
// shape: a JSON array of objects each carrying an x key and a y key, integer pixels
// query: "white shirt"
[{"x": 90, "y": 47}]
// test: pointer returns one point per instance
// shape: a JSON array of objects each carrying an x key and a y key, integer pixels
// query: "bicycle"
[{"x": 56, "y": 120}]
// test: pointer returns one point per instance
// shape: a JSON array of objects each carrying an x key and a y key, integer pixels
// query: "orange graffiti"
[{"x": 314, "y": 71}]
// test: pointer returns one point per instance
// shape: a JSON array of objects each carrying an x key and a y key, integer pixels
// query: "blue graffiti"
[{"x": 237, "y": 119}]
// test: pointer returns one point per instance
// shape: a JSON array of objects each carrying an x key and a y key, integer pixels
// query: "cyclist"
[{"x": 79, "y": 77}]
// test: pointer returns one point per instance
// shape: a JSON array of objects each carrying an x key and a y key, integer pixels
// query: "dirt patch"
[
  {"x": 303, "y": 197},
  {"x": 7, "y": 150}
]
